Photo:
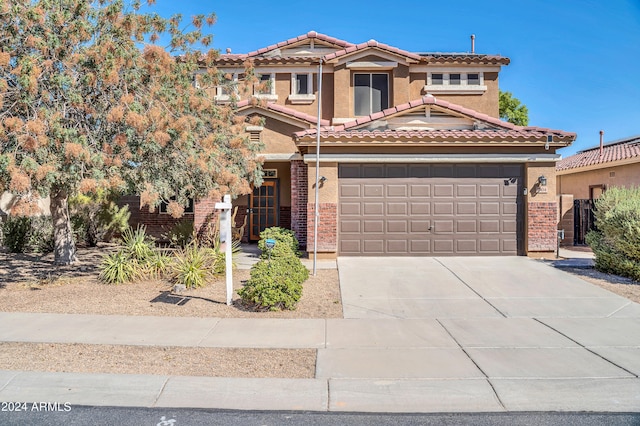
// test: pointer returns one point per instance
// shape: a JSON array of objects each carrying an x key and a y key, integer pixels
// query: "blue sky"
[{"x": 574, "y": 63}]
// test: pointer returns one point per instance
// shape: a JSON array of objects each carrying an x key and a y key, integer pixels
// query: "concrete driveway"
[
  {"x": 483, "y": 334},
  {"x": 471, "y": 287}
]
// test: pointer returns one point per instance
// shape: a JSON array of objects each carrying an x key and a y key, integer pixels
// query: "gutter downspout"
[{"x": 317, "y": 194}]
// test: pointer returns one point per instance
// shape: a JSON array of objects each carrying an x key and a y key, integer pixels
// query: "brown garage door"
[{"x": 430, "y": 209}]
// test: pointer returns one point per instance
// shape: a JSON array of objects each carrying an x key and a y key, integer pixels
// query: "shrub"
[
  {"x": 193, "y": 265},
  {"x": 41, "y": 235},
  {"x": 616, "y": 239},
  {"x": 117, "y": 268},
  {"x": 283, "y": 237},
  {"x": 97, "y": 217},
  {"x": 138, "y": 244},
  {"x": 15, "y": 232},
  {"x": 155, "y": 267},
  {"x": 275, "y": 284},
  {"x": 28, "y": 234},
  {"x": 180, "y": 234}
]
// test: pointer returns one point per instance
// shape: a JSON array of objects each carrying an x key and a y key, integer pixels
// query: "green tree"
[
  {"x": 512, "y": 110},
  {"x": 88, "y": 102}
]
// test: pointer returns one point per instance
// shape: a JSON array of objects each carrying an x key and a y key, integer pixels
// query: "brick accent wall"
[
  {"x": 157, "y": 224},
  {"x": 299, "y": 198},
  {"x": 542, "y": 226},
  {"x": 205, "y": 216},
  {"x": 327, "y": 227},
  {"x": 285, "y": 217}
]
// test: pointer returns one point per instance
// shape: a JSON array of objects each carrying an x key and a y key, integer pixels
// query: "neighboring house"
[
  {"x": 414, "y": 160},
  {"x": 583, "y": 177}
]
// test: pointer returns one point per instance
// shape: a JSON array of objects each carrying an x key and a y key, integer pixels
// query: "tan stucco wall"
[
  {"x": 486, "y": 103},
  {"x": 532, "y": 172},
  {"x": 328, "y": 192},
  {"x": 276, "y": 137},
  {"x": 578, "y": 184},
  {"x": 400, "y": 87},
  {"x": 342, "y": 103}
]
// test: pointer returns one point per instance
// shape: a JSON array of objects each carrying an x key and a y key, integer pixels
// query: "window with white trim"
[
  {"x": 302, "y": 88},
  {"x": 455, "y": 82},
  {"x": 370, "y": 93},
  {"x": 266, "y": 87},
  {"x": 228, "y": 88}
]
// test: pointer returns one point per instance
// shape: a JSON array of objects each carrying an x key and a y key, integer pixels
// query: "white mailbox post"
[{"x": 226, "y": 241}]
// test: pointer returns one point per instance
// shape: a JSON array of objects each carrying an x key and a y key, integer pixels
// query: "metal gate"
[{"x": 583, "y": 220}]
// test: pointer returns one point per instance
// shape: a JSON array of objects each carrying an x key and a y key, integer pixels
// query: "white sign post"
[{"x": 226, "y": 241}]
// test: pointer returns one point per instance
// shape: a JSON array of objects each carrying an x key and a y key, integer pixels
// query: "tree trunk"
[{"x": 65, "y": 248}]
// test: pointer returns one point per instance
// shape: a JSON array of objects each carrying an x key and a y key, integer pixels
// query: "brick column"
[
  {"x": 543, "y": 225},
  {"x": 327, "y": 227},
  {"x": 299, "y": 199}
]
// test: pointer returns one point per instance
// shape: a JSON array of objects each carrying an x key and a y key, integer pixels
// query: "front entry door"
[{"x": 263, "y": 208}]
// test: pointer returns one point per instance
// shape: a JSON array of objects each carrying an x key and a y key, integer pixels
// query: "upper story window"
[
  {"x": 455, "y": 82},
  {"x": 370, "y": 93},
  {"x": 228, "y": 88},
  {"x": 266, "y": 88},
  {"x": 302, "y": 88}
]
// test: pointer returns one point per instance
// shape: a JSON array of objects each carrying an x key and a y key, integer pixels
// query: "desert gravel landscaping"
[{"x": 32, "y": 284}]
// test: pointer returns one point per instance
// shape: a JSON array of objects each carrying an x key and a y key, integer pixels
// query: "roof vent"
[
  {"x": 601, "y": 143},
  {"x": 473, "y": 44},
  {"x": 228, "y": 50}
]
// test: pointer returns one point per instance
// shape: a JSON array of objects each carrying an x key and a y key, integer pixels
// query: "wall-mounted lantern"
[{"x": 542, "y": 180}]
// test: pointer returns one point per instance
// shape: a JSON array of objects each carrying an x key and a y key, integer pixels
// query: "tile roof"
[
  {"x": 294, "y": 40},
  {"x": 622, "y": 149},
  {"x": 501, "y": 130},
  {"x": 372, "y": 43},
  {"x": 247, "y": 103},
  {"x": 464, "y": 58}
]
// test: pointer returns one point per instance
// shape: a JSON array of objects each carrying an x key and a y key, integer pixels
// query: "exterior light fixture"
[
  {"x": 322, "y": 180},
  {"x": 542, "y": 180}
]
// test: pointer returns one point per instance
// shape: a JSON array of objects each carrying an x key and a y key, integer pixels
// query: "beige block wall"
[
  {"x": 578, "y": 184},
  {"x": 328, "y": 192}
]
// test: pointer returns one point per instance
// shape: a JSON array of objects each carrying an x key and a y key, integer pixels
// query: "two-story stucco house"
[{"x": 413, "y": 158}]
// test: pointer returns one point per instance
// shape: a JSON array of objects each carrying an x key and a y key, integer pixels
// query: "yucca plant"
[
  {"x": 192, "y": 266},
  {"x": 117, "y": 268},
  {"x": 156, "y": 266},
  {"x": 138, "y": 244}
]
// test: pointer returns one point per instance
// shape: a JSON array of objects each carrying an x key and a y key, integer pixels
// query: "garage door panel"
[
  {"x": 430, "y": 209},
  {"x": 397, "y": 191},
  {"x": 420, "y": 226},
  {"x": 350, "y": 226},
  {"x": 350, "y": 209},
  {"x": 464, "y": 208},
  {"x": 372, "y": 190},
  {"x": 373, "y": 246},
  {"x": 373, "y": 226},
  {"x": 420, "y": 209},
  {"x": 468, "y": 226},
  {"x": 397, "y": 246},
  {"x": 420, "y": 246},
  {"x": 466, "y": 246},
  {"x": 463, "y": 190},
  {"x": 443, "y": 246},
  {"x": 489, "y": 208},
  {"x": 347, "y": 190},
  {"x": 489, "y": 226},
  {"x": 443, "y": 190},
  {"x": 371, "y": 208},
  {"x": 397, "y": 226},
  {"x": 443, "y": 208},
  {"x": 443, "y": 226},
  {"x": 397, "y": 208}
]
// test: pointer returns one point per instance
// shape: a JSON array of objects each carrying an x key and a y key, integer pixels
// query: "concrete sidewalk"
[{"x": 470, "y": 335}]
